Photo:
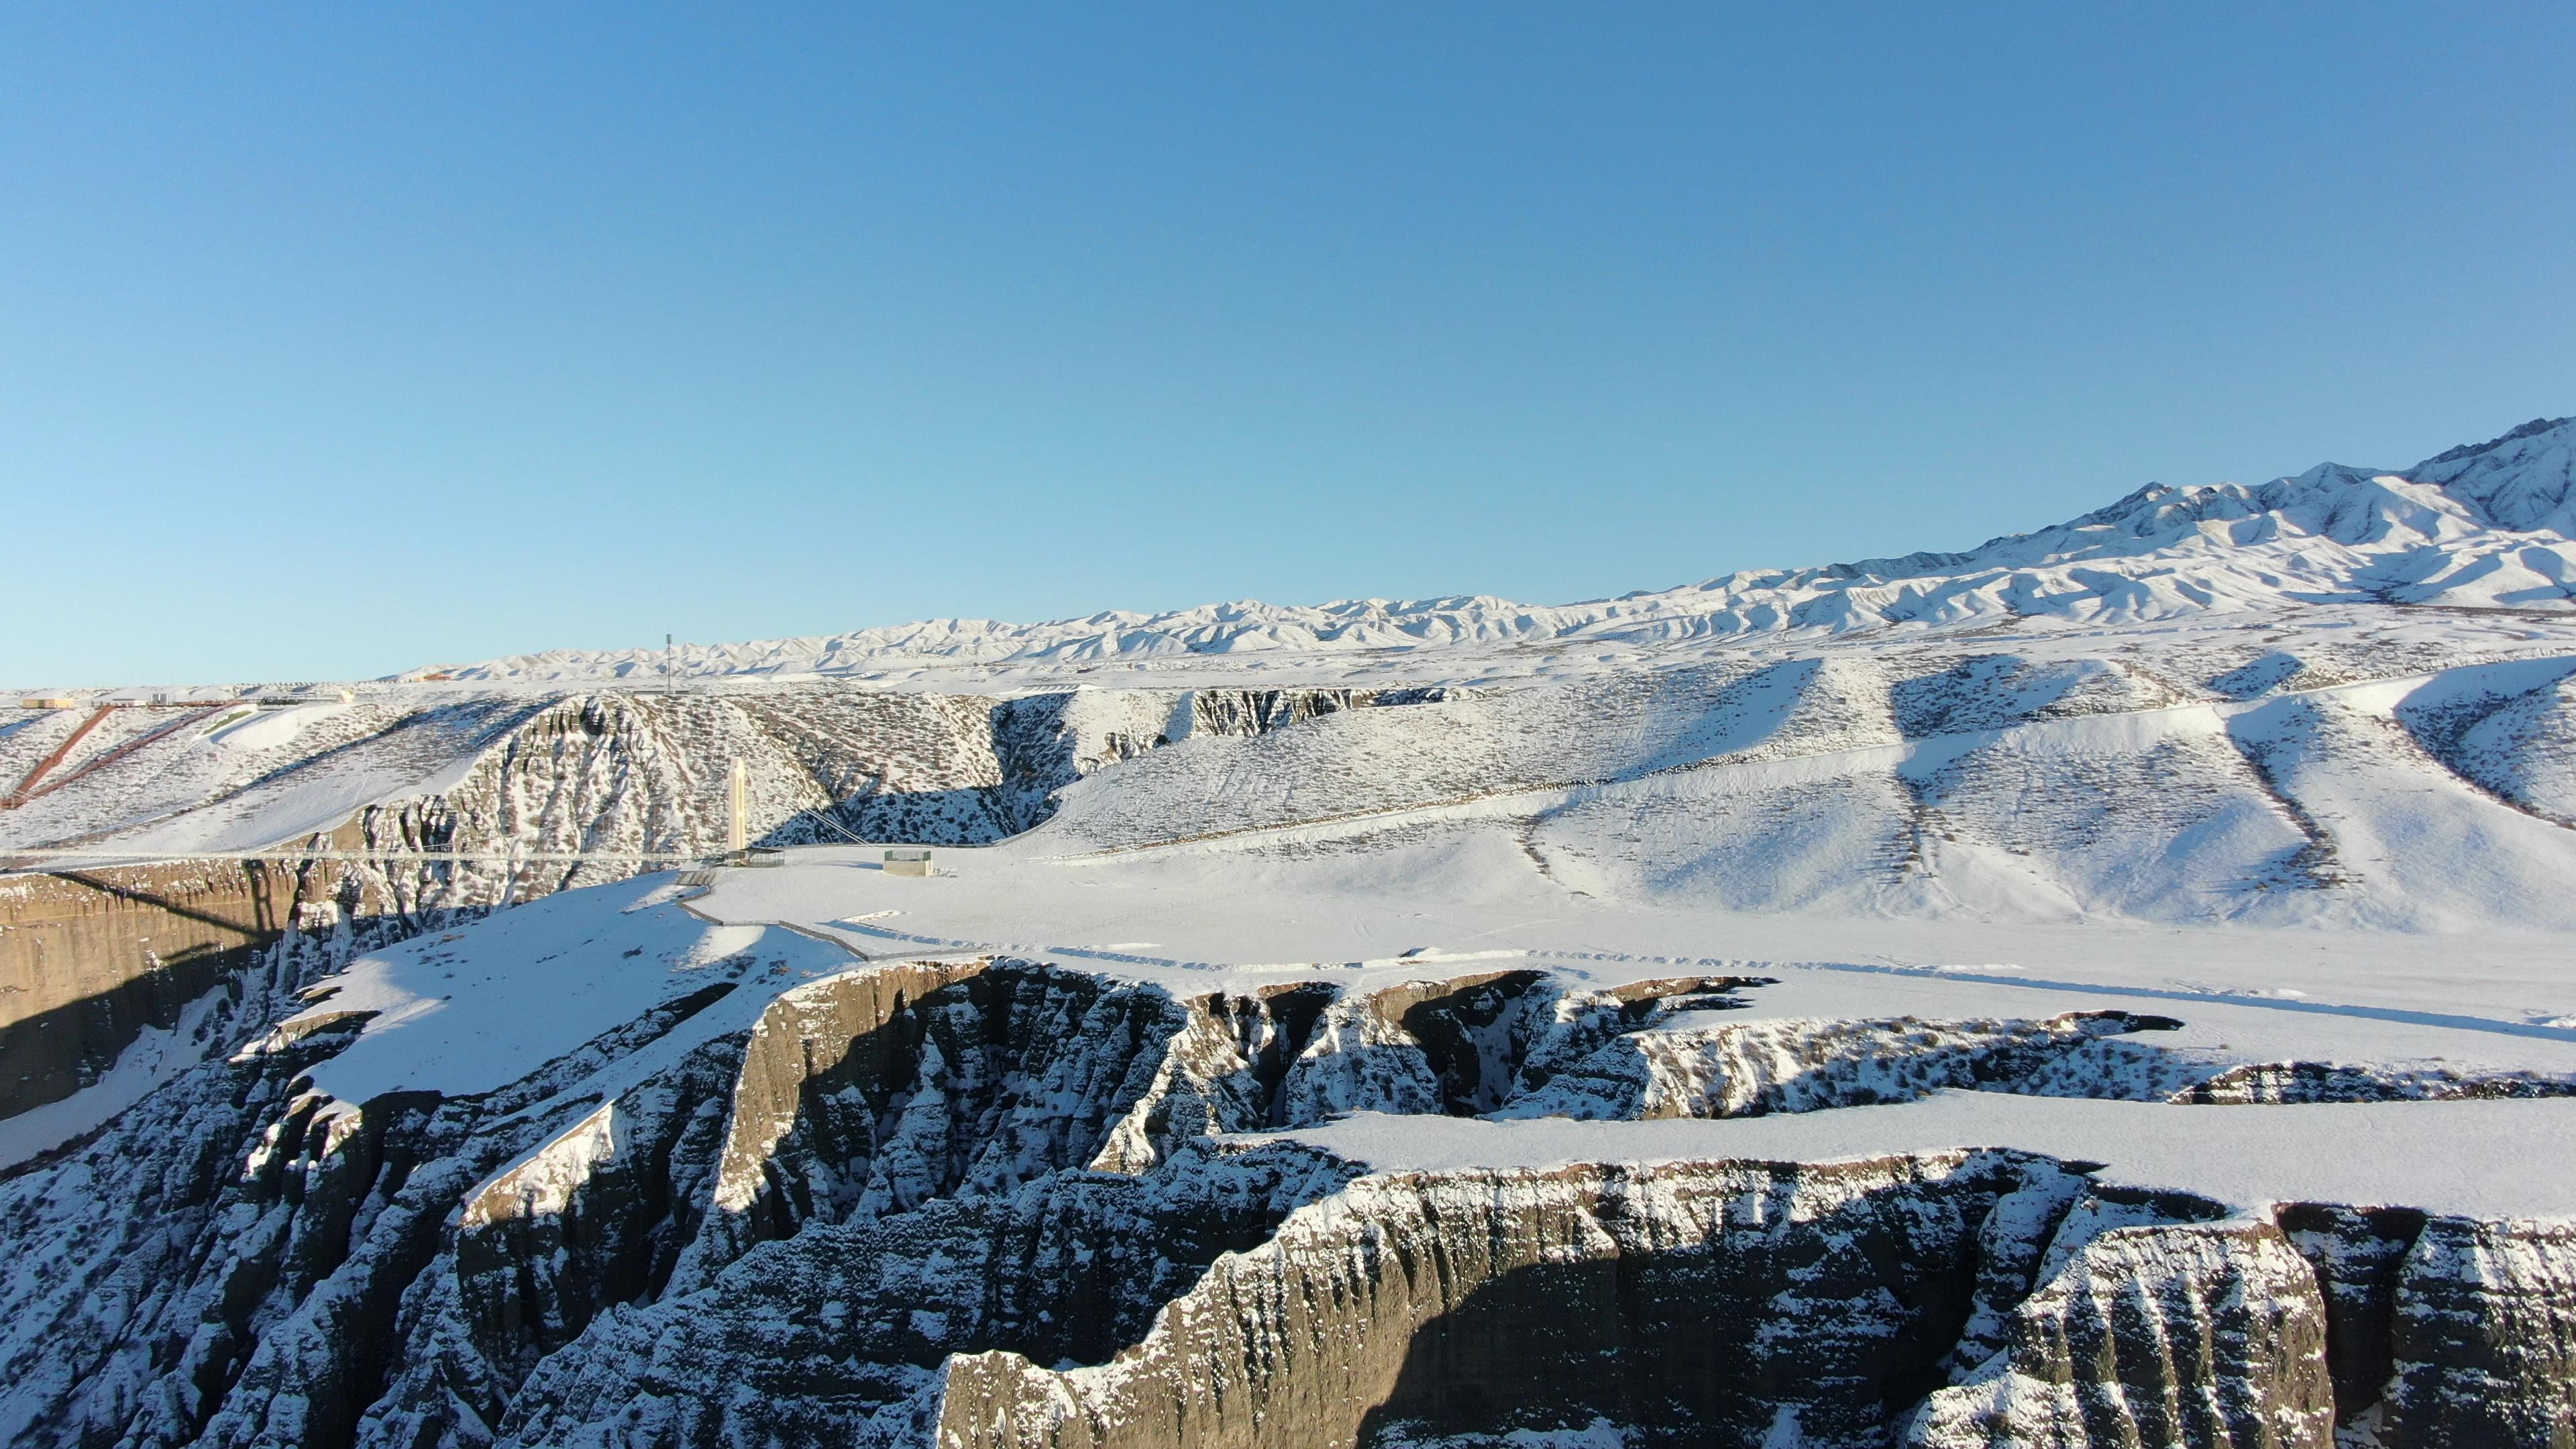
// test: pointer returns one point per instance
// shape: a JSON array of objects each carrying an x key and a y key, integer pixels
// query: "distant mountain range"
[{"x": 2492, "y": 525}]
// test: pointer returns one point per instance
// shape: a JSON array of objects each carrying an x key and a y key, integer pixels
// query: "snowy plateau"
[{"x": 2110, "y": 986}]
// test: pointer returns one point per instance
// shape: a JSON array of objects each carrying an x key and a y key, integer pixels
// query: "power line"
[{"x": 823, "y": 813}]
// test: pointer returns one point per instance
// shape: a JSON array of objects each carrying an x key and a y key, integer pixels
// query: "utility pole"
[
  {"x": 666, "y": 666},
  {"x": 738, "y": 823}
]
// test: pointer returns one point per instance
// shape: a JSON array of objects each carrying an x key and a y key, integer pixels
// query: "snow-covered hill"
[
  {"x": 2107, "y": 987},
  {"x": 2491, "y": 525}
]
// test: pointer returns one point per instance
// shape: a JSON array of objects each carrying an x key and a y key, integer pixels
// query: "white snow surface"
[
  {"x": 472, "y": 1010},
  {"x": 2437, "y": 1156}
]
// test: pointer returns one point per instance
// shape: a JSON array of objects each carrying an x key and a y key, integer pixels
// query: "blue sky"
[{"x": 336, "y": 340}]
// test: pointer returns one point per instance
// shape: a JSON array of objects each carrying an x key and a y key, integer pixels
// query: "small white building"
[{"x": 908, "y": 862}]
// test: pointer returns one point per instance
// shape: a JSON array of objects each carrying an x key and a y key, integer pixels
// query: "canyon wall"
[{"x": 993, "y": 1203}]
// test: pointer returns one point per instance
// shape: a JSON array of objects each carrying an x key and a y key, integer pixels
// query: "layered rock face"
[
  {"x": 92, "y": 960},
  {"x": 1953, "y": 1300},
  {"x": 978, "y": 1203},
  {"x": 1434, "y": 1304}
]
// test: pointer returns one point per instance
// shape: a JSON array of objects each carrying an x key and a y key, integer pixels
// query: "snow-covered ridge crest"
[{"x": 2491, "y": 525}]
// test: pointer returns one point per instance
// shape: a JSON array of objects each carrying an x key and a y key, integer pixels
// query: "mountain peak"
[
  {"x": 2525, "y": 480},
  {"x": 2531, "y": 429}
]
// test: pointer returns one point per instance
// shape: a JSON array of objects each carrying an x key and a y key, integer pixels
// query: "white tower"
[{"x": 738, "y": 819}]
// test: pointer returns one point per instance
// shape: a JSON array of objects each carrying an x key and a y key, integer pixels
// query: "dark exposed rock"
[
  {"x": 2483, "y": 1339},
  {"x": 2358, "y": 1255},
  {"x": 2279, "y": 1083}
]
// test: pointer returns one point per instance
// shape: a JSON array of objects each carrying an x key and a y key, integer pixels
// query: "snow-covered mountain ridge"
[
  {"x": 2491, "y": 525},
  {"x": 2135, "y": 1018}
]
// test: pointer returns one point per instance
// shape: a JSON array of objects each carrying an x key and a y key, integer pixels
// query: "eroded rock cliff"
[{"x": 998, "y": 1203}]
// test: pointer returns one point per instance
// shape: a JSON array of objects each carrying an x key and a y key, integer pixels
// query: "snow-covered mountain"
[
  {"x": 2492, "y": 525},
  {"x": 2137, "y": 1015}
]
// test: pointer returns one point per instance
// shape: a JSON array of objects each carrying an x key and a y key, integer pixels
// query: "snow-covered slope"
[{"x": 2485, "y": 526}]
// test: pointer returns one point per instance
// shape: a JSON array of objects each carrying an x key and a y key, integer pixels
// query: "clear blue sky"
[{"x": 340, "y": 339}]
